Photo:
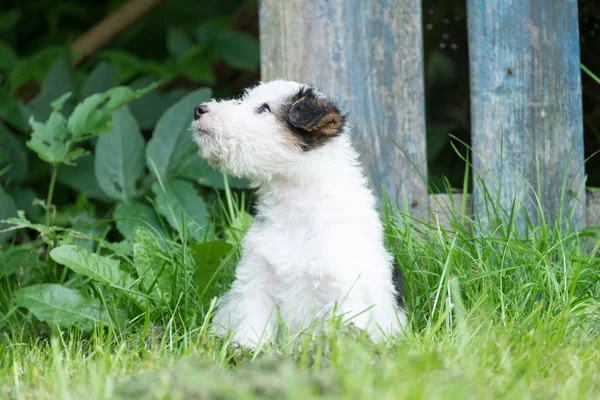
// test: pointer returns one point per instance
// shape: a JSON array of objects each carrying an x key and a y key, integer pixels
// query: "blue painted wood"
[
  {"x": 526, "y": 107},
  {"x": 367, "y": 54}
]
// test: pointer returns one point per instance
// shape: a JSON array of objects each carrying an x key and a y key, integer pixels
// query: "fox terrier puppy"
[{"x": 316, "y": 246}]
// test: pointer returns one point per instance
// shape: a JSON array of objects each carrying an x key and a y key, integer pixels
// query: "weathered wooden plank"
[
  {"x": 526, "y": 106},
  {"x": 367, "y": 54},
  {"x": 593, "y": 208}
]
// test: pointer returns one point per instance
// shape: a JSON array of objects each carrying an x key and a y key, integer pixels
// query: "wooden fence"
[{"x": 526, "y": 107}]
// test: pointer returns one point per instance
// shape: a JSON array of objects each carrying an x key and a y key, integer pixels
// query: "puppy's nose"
[{"x": 201, "y": 109}]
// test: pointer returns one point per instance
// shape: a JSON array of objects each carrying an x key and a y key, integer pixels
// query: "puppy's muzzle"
[{"x": 200, "y": 110}]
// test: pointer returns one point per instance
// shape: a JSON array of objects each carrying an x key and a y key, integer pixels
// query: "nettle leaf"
[
  {"x": 88, "y": 225},
  {"x": 152, "y": 266},
  {"x": 11, "y": 110},
  {"x": 82, "y": 178},
  {"x": 120, "y": 157},
  {"x": 171, "y": 145},
  {"x": 126, "y": 64},
  {"x": 211, "y": 30},
  {"x": 133, "y": 216},
  {"x": 239, "y": 50},
  {"x": 180, "y": 201},
  {"x": 8, "y": 210},
  {"x": 35, "y": 67},
  {"x": 208, "y": 256},
  {"x": 8, "y": 57},
  {"x": 21, "y": 222},
  {"x": 27, "y": 199},
  {"x": 178, "y": 42},
  {"x": 196, "y": 64},
  {"x": 16, "y": 257},
  {"x": 9, "y": 19},
  {"x": 50, "y": 140},
  {"x": 13, "y": 154},
  {"x": 102, "y": 78},
  {"x": 123, "y": 248},
  {"x": 94, "y": 266},
  {"x": 56, "y": 84},
  {"x": 98, "y": 268},
  {"x": 93, "y": 116},
  {"x": 148, "y": 109},
  {"x": 58, "y": 305}
]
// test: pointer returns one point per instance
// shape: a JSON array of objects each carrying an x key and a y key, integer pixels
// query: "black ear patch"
[{"x": 313, "y": 119}]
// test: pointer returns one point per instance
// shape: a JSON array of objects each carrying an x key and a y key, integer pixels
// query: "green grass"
[{"x": 502, "y": 315}]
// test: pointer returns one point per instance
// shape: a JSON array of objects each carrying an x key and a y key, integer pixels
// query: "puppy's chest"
[{"x": 292, "y": 247}]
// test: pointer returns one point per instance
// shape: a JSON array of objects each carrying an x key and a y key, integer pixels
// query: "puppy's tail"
[{"x": 398, "y": 280}]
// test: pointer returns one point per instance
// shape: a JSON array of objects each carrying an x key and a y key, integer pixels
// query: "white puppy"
[{"x": 316, "y": 246}]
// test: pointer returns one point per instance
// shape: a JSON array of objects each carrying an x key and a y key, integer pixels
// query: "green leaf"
[
  {"x": 196, "y": 65},
  {"x": 98, "y": 268},
  {"x": 13, "y": 154},
  {"x": 8, "y": 57},
  {"x": 238, "y": 227},
  {"x": 208, "y": 256},
  {"x": 133, "y": 216},
  {"x": 86, "y": 223},
  {"x": 50, "y": 140},
  {"x": 82, "y": 178},
  {"x": 15, "y": 258},
  {"x": 93, "y": 116},
  {"x": 171, "y": 144},
  {"x": 126, "y": 64},
  {"x": 210, "y": 31},
  {"x": 120, "y": 157},
  {"x": 198, "y": 170},
  {"x": 152, "y": 267},
  {"x": 56, "y": 84},
  {"x": 181, "y": 202},
  {"x": 148, "y": 109},
  {"x": 102, "y": 78},
  {"x": 25, "y": 199},
  {"x": 239, "y": 50},
  {"x": 35, "y": 67},
  {"x": 7, "y": 210},
  {"x": 123, "y": 248},
  {"x": 58, "y": 305},
  {"x": 11, "y": 110},
  {"x": 438, "y": 135},
  {"x": 102, "y": 269},
  {"x": 20, "y": 222},
  {"x": 9, "y": 19},
  {"x": 177, "y": 42}
]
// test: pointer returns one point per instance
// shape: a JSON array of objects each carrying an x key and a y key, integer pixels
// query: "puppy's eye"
[{"x": 264, "y": 109}]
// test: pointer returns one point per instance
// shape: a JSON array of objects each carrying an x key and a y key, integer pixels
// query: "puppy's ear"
[{"x": 315, "y": 115}]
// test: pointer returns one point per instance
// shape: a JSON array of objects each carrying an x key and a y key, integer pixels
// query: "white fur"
[{"x": 317, "y": 242}]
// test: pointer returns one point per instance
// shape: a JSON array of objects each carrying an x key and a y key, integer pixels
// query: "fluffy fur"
[{"x": 316, "y": 246}]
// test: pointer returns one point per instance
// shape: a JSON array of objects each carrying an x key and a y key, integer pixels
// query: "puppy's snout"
[{"x": 199, "y": 110}]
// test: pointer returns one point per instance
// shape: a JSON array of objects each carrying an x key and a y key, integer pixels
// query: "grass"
[{"x": 503, "y": 315}]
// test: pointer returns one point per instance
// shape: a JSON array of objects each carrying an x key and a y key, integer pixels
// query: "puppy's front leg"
[{"x": 248, "y": 310}]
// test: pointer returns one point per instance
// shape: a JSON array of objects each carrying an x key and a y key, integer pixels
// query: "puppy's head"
[{"x": 269, "y": 129}]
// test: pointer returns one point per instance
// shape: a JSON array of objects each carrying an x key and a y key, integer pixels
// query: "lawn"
[{"x": 504, "y": 315}]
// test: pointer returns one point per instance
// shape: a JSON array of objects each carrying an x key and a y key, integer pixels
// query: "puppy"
[{"x": 316, "y": 246}]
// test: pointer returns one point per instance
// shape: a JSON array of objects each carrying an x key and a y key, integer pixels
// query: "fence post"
[
  {"x": 526, "y": 108},
  {"x": 367, "y": 55}
]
